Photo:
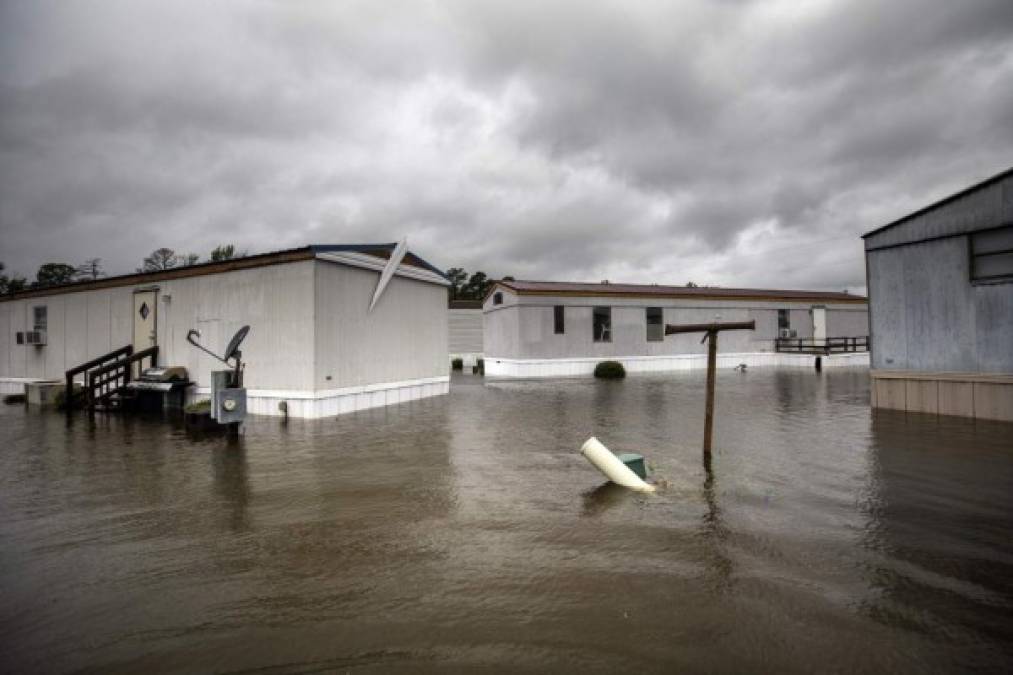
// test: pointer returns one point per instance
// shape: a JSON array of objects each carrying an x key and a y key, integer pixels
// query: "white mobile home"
[
  {"x": 321, "y": 341},
  {"x": 546, "y": 329}
]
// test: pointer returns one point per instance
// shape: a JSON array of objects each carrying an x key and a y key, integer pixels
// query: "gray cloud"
[{"x": 739, "y": 143}]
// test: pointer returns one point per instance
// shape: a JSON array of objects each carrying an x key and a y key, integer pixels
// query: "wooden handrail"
[
  {"x": 116, "y": 373},
  {"x": 88, "y": 365},
  {"x": 828, "y": 345}
]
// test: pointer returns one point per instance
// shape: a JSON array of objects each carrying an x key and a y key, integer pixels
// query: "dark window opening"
[
  {"x": 558, "y": 325},
  {"x": 40, "y": 318},
  {"x": 992, "y": 255},
  {"x": 602, "y": 324},
  {"x": 655, "y": 325},
  {"x": 784, "y": 324},
  {"x": 783, "y": 319},
  {"x": 497, "y": 298}
]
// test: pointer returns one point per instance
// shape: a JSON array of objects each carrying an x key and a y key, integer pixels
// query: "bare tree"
[
  {"x": 90, "y": 269},
  {"x": 160, "y": 259}
]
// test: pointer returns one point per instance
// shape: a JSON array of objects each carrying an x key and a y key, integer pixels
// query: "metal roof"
[
  {"x": 655, "y": 290},
  {"x": 942, "y": 202},
  {"x": 216, "y": 267}
]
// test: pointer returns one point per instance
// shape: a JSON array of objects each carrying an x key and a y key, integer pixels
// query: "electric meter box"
[
  {"x": 231, "y": 405},
  {"x": 228, "y": 402}
]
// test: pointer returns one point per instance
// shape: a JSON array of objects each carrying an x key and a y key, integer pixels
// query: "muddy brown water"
[{"x": 464, "y": 533}]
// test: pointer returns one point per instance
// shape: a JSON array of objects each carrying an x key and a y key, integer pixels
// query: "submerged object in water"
[
  {"x": 612, "y": 466},
  {"x": 635, "y": 462}
]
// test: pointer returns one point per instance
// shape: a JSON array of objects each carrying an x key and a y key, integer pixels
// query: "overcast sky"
[{"x": 726, "y": 142}]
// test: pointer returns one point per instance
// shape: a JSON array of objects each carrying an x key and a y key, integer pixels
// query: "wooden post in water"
[
  {"x": 708, "y": 419},
  {"x": 711, "y": 331}
]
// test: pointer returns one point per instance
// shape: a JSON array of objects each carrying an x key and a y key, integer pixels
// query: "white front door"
[
  {"x": 819, "y": 325},
  {"x": 145, "y": 319}
]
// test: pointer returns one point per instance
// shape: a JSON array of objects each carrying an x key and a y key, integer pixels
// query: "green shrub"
[
  {"x": 479, "y": 367},
  {"x": 201, "y": 406},
  {"x": 611, "y": 370},
  {"x": 457, "y": 364}
]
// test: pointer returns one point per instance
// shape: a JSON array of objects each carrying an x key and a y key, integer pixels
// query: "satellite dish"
[{"x": 237, "y": 339}]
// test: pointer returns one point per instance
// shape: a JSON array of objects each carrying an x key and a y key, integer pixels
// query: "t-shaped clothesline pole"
[{"x": 711, "y": 330}]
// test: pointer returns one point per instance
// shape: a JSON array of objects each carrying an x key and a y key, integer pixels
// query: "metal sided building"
[
  {"x": 941, "y": 305},
  {"x": 553, "y": 329},
  {"x": 466, "y": 331},
  {"x": 315, "y": 342}
]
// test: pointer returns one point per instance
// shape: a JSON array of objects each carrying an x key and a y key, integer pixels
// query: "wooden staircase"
[{"x": 107, "y": 376}]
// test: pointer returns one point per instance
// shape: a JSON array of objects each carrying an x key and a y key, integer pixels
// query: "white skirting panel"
[
  {"x": 584, "y": 367},
  {"x": 15, "y": 385},
  {"x": 331, "y": 402}
]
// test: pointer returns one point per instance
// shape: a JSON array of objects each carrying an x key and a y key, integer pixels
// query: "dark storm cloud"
[{"x": 745, "y": 143}]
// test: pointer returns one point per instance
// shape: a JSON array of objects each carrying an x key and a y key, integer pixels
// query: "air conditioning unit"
[
  {"x": 787, "y": 333},
  {"x": 35, "y": 337}
]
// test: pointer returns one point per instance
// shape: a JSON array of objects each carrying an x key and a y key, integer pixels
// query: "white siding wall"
[
  {"x": 465, "y": 335},
  {"x": 80, "y": 326},
  {"x": 500, "y": 326},
  {"x": 275, "y": 300},
  {"x": 523, "y": 328},
  {"x": 404, "y": 338}
]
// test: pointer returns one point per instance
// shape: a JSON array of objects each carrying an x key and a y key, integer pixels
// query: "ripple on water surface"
[{"x": 465, "y": 533}]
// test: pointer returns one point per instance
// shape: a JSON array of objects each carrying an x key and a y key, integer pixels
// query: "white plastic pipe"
[{"x": 612, "y": 466}]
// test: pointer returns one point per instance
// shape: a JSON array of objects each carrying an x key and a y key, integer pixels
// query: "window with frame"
[
  {"x": 655, "y": 324},
  {"x": 558, "y": 320},
  {"x": 39, "y": 318},
  {"x": 783, "y": 319},
  {"x": 601, "y": 324},
  {"x": 992, "y": 255},
  {"x": 497, "y": 298}
]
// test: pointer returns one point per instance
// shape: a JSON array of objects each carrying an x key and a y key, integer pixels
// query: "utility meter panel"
[{"x": 231, "y": 405}]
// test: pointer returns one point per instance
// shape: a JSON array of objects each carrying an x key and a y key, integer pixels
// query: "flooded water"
[{"x": 465, "y": 534}]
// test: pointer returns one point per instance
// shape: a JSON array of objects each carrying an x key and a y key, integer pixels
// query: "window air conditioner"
[
  {"x": 787, "y": 333},
  {"x": 35, "y": 337}
]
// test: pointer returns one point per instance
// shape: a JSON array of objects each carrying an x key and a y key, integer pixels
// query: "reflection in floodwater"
[
  {"x": 938, "y": 504},
  {"x": 467, "y": 533},
  {"x": 604, "y": 497},
  {"x": 231, "y": 482},
  {"x": 715, "y": 535}
]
